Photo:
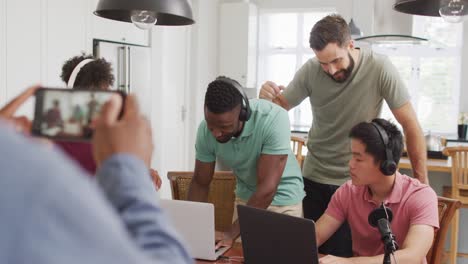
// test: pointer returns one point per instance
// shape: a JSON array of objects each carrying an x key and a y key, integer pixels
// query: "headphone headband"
[
  {"x": 245, "y": 106},
  {"x": 388, "y": 166},
  {"x": 76, "y": 70}
]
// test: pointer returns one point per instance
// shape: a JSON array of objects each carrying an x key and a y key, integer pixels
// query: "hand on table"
[
  {"x": 223, "y": 239},
  {"x": 329, "y": 259}
]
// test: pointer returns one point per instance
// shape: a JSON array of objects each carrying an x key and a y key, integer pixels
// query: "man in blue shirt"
[{"x": 51, "y": 212}]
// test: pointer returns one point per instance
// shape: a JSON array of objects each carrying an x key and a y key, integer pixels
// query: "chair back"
[
  {"x": 221, "y": 194},
  {"x": 447, "y": 208},
  {"x": 297, "y": 144},
  {"x": 459, "y": 158}
]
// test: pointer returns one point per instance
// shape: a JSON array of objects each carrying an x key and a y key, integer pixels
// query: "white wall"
[
  {"x": 3, "y": 63},
  {"x": 204, "y": 65},
  {"x": 464, "y": 71},
  {"x": 23, "y": 47},
  {"x": 344, "y": 7}
]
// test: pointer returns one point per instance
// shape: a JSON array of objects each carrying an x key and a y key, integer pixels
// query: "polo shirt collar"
[
  {"x": 395, "y": 195},
  {"x": 248, "y": 128}
]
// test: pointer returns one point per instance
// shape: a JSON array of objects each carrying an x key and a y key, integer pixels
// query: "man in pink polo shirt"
[{"x": 376, "y": 150}]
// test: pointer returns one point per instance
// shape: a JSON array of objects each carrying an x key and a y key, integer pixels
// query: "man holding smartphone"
[{"x": 52, "y": 214}]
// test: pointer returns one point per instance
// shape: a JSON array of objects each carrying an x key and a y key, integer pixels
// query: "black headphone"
[
  {"x": 245, "y": 112},
  {"x": 388, "y": 166}
]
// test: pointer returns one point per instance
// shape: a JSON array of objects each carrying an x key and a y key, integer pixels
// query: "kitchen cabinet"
[{"x": 238, "y": 42}]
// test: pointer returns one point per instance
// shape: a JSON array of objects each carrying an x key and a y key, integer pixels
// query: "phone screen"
[{"x": 68, "y": 114}]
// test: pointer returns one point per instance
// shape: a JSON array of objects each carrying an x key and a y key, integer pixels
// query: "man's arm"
[
  {"x": 415, "y": 142},
  {"x": 269, "y": 171},
  {"x": 325, "y": 227},
  {"x": 272, "y": 92},
  {"x": 200, "y": 185},
  {"x": 414, "y": 249},
  {"x": 127, "y": 186},
  {"x": 270, "y": 168},
  {"x": 70, "y": 221}
]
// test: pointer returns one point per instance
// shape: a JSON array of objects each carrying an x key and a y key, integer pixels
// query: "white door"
[
  {"x": 139, "y": 76},
  {"x": 169, "y": 78}
]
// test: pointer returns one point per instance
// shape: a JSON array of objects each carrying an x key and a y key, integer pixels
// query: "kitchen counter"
[{"x": 439, "y": 165}]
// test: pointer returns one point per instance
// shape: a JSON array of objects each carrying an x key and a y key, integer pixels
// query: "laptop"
[
  {"x": 194, "y": 221},
  {"x": 269, "y": 237}
]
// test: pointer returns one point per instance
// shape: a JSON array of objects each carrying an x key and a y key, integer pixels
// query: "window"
[
  {"x": 283, "y": 49},
  {"x": 431, "y": 73}
]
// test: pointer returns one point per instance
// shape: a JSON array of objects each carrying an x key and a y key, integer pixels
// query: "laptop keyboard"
[{"x": 218, "y": 249}]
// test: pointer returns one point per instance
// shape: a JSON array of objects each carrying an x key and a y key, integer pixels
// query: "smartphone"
[{"x": 69, "y": 114}]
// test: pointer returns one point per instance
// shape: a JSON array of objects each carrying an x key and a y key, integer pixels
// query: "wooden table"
[
  {"x": 235, "y": 251},
  {"x": 439, "y": 165}
]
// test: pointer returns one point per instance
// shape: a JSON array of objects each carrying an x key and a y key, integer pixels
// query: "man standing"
[
  {"x": 253, "y": 138},
  {"x": 345, "y": 86}
]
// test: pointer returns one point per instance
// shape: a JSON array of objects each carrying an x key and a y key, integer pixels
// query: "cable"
[{"x": 394, "y": 258}]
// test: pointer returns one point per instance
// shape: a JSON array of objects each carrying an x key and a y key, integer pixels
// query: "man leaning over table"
[{"x": 253, "y": 138}]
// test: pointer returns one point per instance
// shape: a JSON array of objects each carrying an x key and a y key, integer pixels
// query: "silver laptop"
[
  {"x": 273, "y": 238},
  {"x": 195, "y": 223}
]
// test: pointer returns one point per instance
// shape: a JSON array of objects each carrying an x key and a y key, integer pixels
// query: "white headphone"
[{"x": 76, "y": 70}]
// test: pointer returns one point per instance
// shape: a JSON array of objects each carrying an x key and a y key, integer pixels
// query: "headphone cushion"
[
  {"x": 243, "y": 114},
  {"x": 388, "y": 167}
]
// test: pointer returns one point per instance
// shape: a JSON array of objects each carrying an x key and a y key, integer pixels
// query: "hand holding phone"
[
  {"x": 130, "y": 135},
  {"x": 68, "y": 114},
  {"x": 22, "y": 123}
]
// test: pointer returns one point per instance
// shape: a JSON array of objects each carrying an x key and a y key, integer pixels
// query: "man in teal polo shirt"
[{"x": 253, "y": 138}]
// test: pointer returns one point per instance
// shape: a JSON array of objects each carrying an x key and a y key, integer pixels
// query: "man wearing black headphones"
[
  {"x": 375, "y": 183},
  {"x": 253, "y": 138}
]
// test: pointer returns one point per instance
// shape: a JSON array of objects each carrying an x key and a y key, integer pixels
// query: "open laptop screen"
[{"x": 269, "y": 237}]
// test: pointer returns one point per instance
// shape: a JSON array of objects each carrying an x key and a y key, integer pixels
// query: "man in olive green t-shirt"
[
  {"x": 253, "y": 138},
  {"x": 345, "y": 86}
]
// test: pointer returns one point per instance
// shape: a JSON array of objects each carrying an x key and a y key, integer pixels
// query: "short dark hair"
[
  {"x": 222, "y": 97},
  {"x": 92, "y": 76},
  {"x": 369, "y": 136},
  {"x": 330, "y": 29}
]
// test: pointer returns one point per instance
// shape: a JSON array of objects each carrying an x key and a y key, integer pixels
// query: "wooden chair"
[
  {"x": 221, "y": 194},
  {"x": 447, "y": 209},
  {"x": 458, "y": 191},
  {"x": 297, "y": 144}
]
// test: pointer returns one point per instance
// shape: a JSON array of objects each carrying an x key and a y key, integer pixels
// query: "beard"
[
  {"x": 225, "y": 138},
  {"x": 342, "y": 75}
]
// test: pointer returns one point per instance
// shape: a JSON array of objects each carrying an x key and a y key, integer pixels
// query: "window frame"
[
  {"x": 300, "y": 51},
  {"x": 429, "y": 52}
]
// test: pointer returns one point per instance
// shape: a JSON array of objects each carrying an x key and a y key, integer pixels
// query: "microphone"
[{"x": 381, "y": 218}]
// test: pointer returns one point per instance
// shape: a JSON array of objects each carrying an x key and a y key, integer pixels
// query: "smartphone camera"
[{"x": 68, "y": 114}]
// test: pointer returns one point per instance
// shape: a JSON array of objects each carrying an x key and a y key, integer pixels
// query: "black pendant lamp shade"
[
  {"x": 422, "y": 7},
  {"x": 167, "y": 12}
]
